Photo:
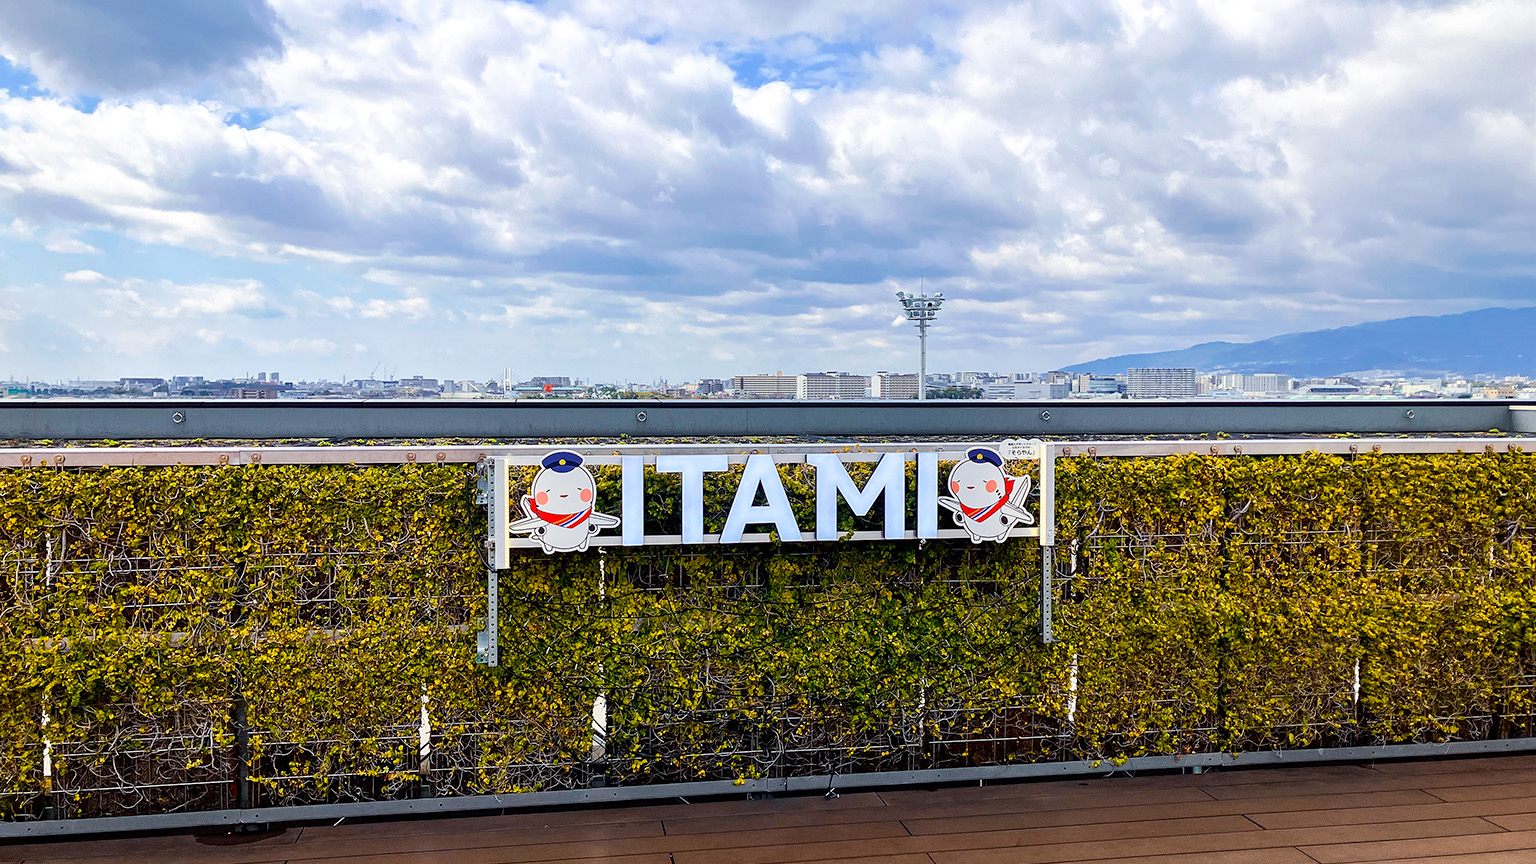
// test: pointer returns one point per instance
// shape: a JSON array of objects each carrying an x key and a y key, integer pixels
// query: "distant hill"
[{"x": 1488, "y": 342}]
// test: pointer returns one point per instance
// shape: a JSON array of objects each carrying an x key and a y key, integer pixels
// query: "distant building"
[
  {"x": 1097, "y": 385},
  {"x": 140, "y": 383},
  {"x": 831, "y": 385},
  {"x": 978, "y": 380},
  {"x": 1264, "y": 382},
  {"x": 1160, "y": 383},
  {"x": 416, "y": 382},
  {"x": 548, "y": 381},
  {"x": 710, "y": 386},
  {"x": 1017, "y": 389},
  {"x": 1332, "y": 387},
  {"x": 894, "y": 385},
  {"x": 777, "y": 385}
]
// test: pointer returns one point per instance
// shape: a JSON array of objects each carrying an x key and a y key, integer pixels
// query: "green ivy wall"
[{"x": 205, "y": 637}]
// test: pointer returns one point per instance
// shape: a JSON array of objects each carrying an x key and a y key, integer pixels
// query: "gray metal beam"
[
  {"x": 130, "y": 419},
  {"x": 701, "y": 789}
]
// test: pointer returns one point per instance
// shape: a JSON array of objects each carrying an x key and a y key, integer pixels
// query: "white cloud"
[
  {"x": 83, "y": 276},
  {"x": 588, "y": 168},
  {"x": 70, "y": 246}
]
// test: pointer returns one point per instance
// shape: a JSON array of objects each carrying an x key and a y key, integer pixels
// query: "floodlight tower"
[{"x": 922, "y": 309}]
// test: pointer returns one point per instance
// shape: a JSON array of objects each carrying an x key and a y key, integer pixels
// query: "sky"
[{"x": 701, "y": 188}]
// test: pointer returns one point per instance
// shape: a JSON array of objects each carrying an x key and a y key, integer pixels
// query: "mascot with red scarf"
[
  {"x": 559, "y": 510},
  {"x": 986, "y": 502}
]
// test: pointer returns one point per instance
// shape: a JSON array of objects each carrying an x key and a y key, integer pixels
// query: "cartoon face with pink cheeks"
[
  {"x": 558, "y": 511},
  {"x": 986, "y": 502}
]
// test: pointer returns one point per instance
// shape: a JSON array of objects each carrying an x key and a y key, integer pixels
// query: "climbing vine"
[{"x": 200, "y": 637}]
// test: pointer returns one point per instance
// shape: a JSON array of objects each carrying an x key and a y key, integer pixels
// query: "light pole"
[{"x": 922, "y": 309}]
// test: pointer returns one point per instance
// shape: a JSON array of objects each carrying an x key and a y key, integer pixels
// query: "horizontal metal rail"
[
  {"x": 708, "y": 788},
  {"x": 609, "y": 454},
  {"x": 130, "y": 419}
]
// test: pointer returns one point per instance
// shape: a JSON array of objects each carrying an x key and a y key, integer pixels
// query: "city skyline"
[{"x": 341, "y": 186}]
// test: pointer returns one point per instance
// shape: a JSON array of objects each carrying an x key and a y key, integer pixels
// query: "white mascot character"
[
  {"x": 558, "y": 512},
  {"x": 987, "y": 503}
]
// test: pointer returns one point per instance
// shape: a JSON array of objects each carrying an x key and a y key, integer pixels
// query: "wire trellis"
[{"x": 154, "y": 672}]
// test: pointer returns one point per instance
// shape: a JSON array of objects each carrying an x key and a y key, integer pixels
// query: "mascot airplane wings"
[
  {"x": 559, "y": 512},
  {"x": 987, "y": 503}
]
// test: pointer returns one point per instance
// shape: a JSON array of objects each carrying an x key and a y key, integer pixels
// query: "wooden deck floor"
[{"x": 1476, "y": 811}]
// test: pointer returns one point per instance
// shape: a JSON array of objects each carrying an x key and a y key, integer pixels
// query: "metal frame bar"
[
  {"x": 1297, "y": 446},
  {"x": 807, "y": 784},
  {"x": 185, "y": 419},
  {"x": 609, "y": 454}
]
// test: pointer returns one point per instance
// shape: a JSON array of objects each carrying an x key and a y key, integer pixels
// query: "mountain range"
[{"x": 1484, "y": 342}]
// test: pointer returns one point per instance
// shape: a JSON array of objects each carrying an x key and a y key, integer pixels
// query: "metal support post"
[
  {"x": 240, "y": 716},
  {"x": 922, "y": 363},
  {"x": 1047, "y": 537},
  {"x": 494, "y": 495},
  {"x": 1048, "y": 557}
]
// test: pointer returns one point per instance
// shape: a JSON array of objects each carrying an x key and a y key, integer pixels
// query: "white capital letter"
[
  {"x": 632, "y": 477},
  {"x": 928, "y": 495},
  {"x": 832, "y": 479},
  {"x": 760, "y": 473},
  {"x": 692, "y": 468}
]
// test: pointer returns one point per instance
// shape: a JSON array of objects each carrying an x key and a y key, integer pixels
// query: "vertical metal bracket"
[
  {"x": 493, "y": 494},
  {"x": 1047, "y": 537}
]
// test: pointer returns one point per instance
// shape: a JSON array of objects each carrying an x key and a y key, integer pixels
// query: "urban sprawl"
[{"x": 1134, "y": 384}]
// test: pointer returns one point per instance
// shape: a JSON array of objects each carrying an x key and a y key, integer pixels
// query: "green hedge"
[{"x": 1202, "y": 604}]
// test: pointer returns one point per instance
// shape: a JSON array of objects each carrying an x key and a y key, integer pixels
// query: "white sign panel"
[{"x": 560, "y": 511}]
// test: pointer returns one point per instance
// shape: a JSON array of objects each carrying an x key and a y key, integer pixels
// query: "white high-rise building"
[
  {"x": 1266, "y": 382},
  {"x": 775, "y": 385},
  {"x": 831, "y": 385},
  {"x": 894, "y": 385},
  {"x": 1160, "y": 383}
]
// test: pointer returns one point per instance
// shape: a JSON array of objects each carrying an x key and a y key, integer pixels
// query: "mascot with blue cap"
[
  {"x": 986, "y": 502},
  {"x": 559, "y": 510}
]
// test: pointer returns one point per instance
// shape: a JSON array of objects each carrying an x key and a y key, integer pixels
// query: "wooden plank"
[
  {"x": 1455, "y": 765},
  {"x": 652, "y": 858},
  {"x": 1374, "y": 784},
  {"x": 169, "y": 845},
  {"x": 1486, "y": 792},
  {"x": 1381, "y": 850},
  {"x": 1245, "y": 856},
  {"x": 769, "y": 821},
  {"x": 1405, "y": 813},
  {"x": 1519, "y": 857},
  {"x": 948, "y": 810},
  {"x": 915, "y": 858},
  {"x": 935, "y": 843},
  {"x": 595, "y": 816},
  {"x": 597, "y": 848},
  {"x": 210, "y": 855},
  {"x": 157, "y": 850},
  {"x": 1189, "y": 844},
  {"x": 1514, "y": 822},
  {"x": 511, "y": 837},
  {"x": 1143, "y": 812}
]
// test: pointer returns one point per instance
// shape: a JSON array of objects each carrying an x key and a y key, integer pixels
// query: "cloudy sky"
[{"x": 706, "y": 187}]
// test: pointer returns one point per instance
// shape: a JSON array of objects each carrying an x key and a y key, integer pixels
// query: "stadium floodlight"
[{"x": 922, "y": 309}]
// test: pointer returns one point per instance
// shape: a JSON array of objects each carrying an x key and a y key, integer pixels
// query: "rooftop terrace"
[{"x": 1467, "y": 811}]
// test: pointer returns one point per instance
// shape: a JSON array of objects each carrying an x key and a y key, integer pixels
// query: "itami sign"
[{"x": 985, "y": 495}]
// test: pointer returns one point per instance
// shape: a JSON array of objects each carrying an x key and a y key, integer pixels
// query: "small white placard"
[{"x": 1019, "y": 448}]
